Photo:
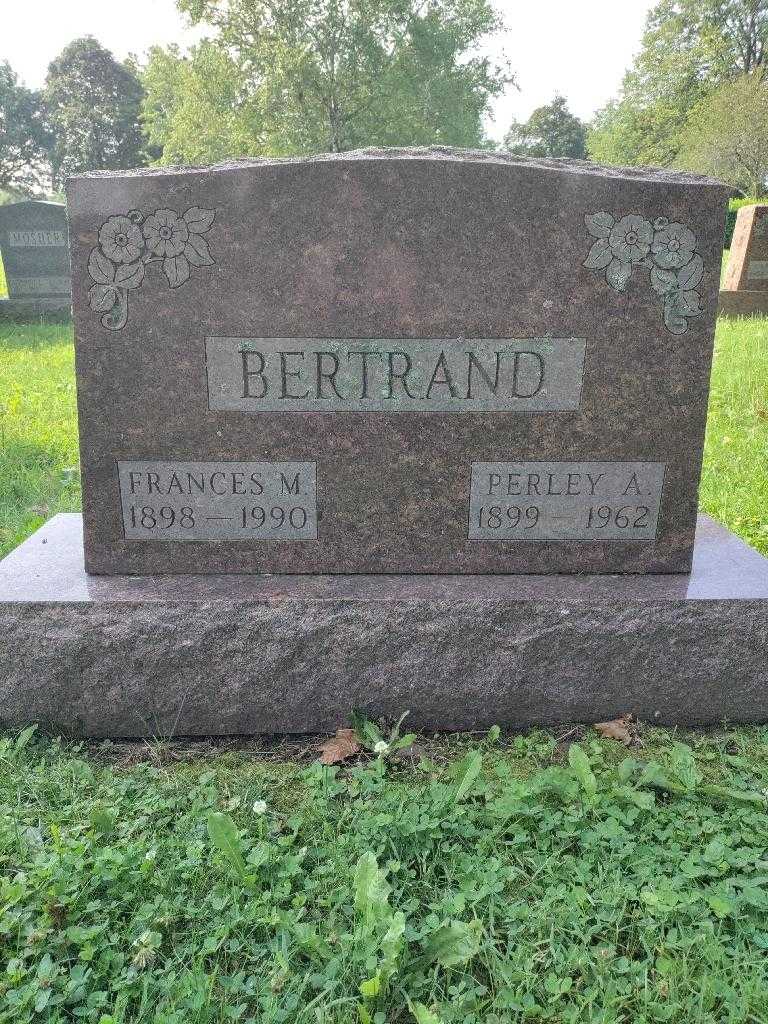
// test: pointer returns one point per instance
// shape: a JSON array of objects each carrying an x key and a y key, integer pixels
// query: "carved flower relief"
[
  {"x": 630, "y": 239},
  {"x": 673, "y": 246},
  {"x": 166, "y": 233},
  {"x": 667, "y": 250},
  {"x": 128, "y": 242},
  {"x": 120, "y": 239}
]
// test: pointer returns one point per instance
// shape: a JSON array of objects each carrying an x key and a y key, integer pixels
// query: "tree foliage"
[
  {"x": 286, "y": 77},
  {"x": 93, "y": 105},
  {"x": 551, "y": 130},
  {"x": 23, "y": 137},
  {"x": 689, "y": 49},
  {"x": 727, "y": 135}
]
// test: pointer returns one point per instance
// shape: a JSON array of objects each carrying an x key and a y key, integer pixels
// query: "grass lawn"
[
  {"x": 487, "y": 882},
  {"x": 563, "y": 879}
]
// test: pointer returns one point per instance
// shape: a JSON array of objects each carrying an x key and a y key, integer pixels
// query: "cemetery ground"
[{"x": 560, "y": 877}]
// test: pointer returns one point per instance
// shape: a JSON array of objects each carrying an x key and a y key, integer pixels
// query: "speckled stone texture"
[
  {"x": 217, "y": 655},
  {"x": 393, "y": 244},
  {"x": 745, "y": 285}
]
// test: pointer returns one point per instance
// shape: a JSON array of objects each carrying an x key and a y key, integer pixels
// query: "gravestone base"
[
  {"x": 13, "y": 308},
  {"x": 217, "y": 655},
  {"x": 735, "y": 303}
]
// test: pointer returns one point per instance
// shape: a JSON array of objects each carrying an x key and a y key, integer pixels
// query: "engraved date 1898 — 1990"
[{"x": 212, "y": 501}]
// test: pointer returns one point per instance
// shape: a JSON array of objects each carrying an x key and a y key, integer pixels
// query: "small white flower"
[
  {"x": 381, "y": 747},
  {"x": 260, "y": 807}
]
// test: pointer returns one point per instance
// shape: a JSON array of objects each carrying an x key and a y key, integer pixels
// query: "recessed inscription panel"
[
  {"x": 215, "y": 501},
  {"x": 550, "y": 501},
  {"x": 394, "y": 374},
  {"x": 39, "y": 285},
  {"x": 757, "y": 270},
  {"x": 36, "y": 237}
]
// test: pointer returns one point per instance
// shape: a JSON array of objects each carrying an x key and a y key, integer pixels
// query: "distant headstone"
[
  {"x": 745, "y": 286},
  {"x": 395, "y": 361},
  {"x": 33, "y": 246}
]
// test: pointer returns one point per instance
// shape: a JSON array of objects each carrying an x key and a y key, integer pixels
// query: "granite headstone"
[
  {"x": 745, "y": 285},
  {"x": 33, "y": 245},
  {"x": 445, "y": 366},
  {"x": 393, "y": 362}
]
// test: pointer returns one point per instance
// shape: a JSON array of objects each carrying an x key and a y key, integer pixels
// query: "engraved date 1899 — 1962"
[{"x": 537, "y": 501}]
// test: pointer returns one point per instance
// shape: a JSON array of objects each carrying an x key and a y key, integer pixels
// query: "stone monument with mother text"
[
  {"x": 35, "y": 254},
  {"x": 405, "y": 430}
]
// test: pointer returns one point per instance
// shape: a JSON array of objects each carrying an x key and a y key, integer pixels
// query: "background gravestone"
[
  {"x": 33, "y": 245},
  {"x": 393, "y": 361},
  {"x": 745, "y": 285}
]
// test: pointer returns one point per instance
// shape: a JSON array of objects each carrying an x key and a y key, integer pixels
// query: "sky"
[{"x": 579, "y": 48}]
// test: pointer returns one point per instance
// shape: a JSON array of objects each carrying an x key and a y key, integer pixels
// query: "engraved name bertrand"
[{"x": 394, "y": 374}]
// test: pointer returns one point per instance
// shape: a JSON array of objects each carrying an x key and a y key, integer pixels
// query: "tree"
[
  {"x": 551, "y": 130},
  {"x": 287, "y": 77},
  {"x": 689, "y": 49},
  {"x": 727, "y": 135},
  {"x": 93, "y": 105},
  {"x": 23, "y": 138}
]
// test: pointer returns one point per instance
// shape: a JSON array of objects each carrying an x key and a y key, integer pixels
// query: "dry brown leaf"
[
  {"x": 619, "y": 729},
  {"x": 339, "y": 747}
]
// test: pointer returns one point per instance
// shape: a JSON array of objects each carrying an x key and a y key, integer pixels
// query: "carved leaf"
[
  {"x": 198, "y": 220},
  {"x": 130, "y": 275},
  {"x": 663, "y": 281},
  {"x": 100, "y": 268},
  {"x": 600, "y": 255},
  {"x": 618, "y": 274},
  {"x": 599, "y": 224},
  {"x": 675, "y": 323},
  {"x": 688, "y": 304},
  {"x": 102, "y": 297},
  {"x": 197, "y": 252},
  {"x": 691, "y": 274},
  {"x": 176, "y": 270}
]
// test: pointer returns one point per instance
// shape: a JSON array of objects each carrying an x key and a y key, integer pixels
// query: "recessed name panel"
[
  {"x": 393, "y": 375},
  {"x": 550, "y": 501},
  {"x": 757, "y": 270},
  {"x": 214, "y": 501},
  {"x": 33, "y": 238},
  {"x": 39, "y": 285}
]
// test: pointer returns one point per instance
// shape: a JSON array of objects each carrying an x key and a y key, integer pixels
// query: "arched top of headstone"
[
  {"x": 24, "y": 206},
  {"x": 432, "y": 154}
]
